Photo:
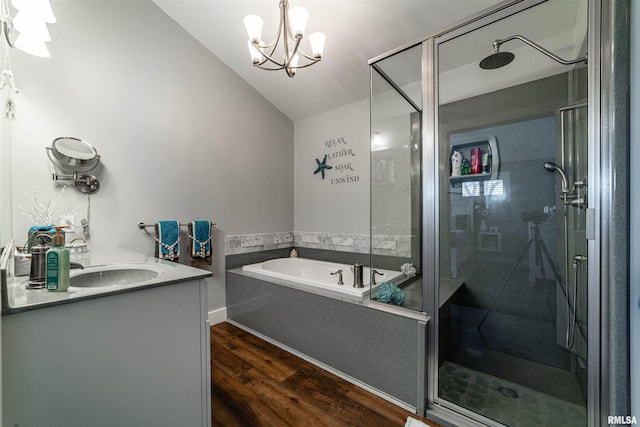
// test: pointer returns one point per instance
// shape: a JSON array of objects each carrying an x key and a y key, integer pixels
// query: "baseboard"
[{"x": 218, "y": 316}]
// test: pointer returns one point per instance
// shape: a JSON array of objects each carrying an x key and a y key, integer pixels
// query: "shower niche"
[{"x": 464, "y": 176}]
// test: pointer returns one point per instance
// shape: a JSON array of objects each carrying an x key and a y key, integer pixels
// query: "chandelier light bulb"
[
  {"x": 253, "y": 24},
  {"x": 256, "y": 54},
  {"x": 316, "y": 40},
  {"x": 298, "y": 17},
  {"x": 31, "y": 28},
  {"x": 293, "y": 62},
  {"x": 32, "y": 46},
  {"x": 37, "y": 9}
]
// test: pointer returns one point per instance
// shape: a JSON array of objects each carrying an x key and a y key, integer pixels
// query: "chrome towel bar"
[{"x": 142, "y": 225}]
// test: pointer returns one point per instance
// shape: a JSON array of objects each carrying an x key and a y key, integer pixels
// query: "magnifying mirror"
[
  {"x": 77, "y": 156},
  {"x": 73, "y": 154}
]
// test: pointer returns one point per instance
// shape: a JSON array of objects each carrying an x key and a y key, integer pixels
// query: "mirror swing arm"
[{"x": 87, "y": 184}]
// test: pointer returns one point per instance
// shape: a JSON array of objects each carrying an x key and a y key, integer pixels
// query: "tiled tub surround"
[
  {"x": 390, "y": 245},
  {"x": 247, "y": 243}
]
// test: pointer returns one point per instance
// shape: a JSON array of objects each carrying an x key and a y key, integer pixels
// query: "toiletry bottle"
[
  {"x": 485, "y": 162},
  {"x": 58, "y": 263},
  {"x": 475, "y": 160}
]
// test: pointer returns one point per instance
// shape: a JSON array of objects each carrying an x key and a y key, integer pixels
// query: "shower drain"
[{"x": 509, "y": 392}]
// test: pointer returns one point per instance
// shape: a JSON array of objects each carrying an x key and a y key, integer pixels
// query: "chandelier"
[
  {"x": 291, "y": 32},
  {"x": 31, "y": 22}
]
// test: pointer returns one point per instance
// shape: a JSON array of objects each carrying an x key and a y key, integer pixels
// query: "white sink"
[{"x": 115, "y": 275}]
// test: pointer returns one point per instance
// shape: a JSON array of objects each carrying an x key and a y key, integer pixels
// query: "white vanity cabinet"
[{"x": 138, "y": 359}]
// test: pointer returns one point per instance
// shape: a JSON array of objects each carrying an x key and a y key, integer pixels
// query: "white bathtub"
[{"x": 317, "y": 274}]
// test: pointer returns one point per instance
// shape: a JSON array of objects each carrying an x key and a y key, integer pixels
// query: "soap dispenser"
[{"x": 58, "y": 263}]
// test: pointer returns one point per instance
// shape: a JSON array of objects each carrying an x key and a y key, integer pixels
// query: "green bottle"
[{"x": 58, "y": 264}]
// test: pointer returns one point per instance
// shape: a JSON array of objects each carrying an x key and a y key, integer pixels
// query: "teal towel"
[
  {"x": 168, "y": 239},
  {"x": 40, "y": 230},
  {"x": 390, "y": 293},
  {"x": 201, "y": 239},
  {"x": 35, "y": 228}
]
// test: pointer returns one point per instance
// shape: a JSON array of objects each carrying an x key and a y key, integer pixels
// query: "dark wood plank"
[
  {"x": 254, "y": 383},
  {"x": 269, "y": 362}
]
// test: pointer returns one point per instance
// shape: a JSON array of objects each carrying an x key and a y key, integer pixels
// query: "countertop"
[{"x": 16, "y": 298}]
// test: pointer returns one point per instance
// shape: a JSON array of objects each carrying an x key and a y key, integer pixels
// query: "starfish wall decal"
[{"x": 322, "y": 166}]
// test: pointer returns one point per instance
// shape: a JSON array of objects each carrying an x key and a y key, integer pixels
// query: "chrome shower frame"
[{"x": 605, "y": 362}]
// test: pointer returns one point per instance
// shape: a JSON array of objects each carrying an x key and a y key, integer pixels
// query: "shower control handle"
[
  {"x": 339, "y": 273},
  {"x": 579, "y": 259},
  {"x": 373, "y": 275},
  {"x": 573, "y": 200}
]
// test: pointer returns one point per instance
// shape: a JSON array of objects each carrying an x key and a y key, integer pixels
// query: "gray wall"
[
  {"x": 340, "y": 202},
  {"x": 181, "y": 136}
]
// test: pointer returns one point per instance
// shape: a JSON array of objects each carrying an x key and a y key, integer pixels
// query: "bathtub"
[{"x": 317, "y": 274}]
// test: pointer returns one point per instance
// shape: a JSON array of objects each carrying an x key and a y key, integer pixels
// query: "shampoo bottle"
[{"x": 58, "y": 263}]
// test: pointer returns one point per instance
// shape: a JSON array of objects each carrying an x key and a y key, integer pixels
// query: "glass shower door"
[
  {"x": 511, "y": 147},
  {"x": 396, "y": 151}
]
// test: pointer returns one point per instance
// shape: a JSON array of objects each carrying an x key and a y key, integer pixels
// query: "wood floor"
[{"x": 254, "y": 383}]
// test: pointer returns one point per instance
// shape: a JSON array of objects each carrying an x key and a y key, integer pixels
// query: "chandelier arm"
[
  {"x": 305, "y": 65},
  {"x": 310, "y": 58},
  {"x": 268, "y": 69},
  {"x": 7, "y": 34},
  {"x": 281, "y": 66},
  {"x": 289, "y": 56},
  {"x": 283, "y": 30},
  {"x": 266, "y": 61},
  {"x": 273, "y": 45},
  {"x": 7, "y": 22},
  {"x": 268, "y": 58}
]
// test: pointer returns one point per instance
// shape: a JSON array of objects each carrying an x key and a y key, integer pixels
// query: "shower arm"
[{"x": 497, "y": 43}]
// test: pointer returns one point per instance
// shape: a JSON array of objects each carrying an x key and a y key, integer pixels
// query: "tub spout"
[{"x": 358, "y": 272}]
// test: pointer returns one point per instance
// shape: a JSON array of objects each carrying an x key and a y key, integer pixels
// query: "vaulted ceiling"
[
  {"x": 360, "y": 30},
  {"x": 356, "y": 30}
]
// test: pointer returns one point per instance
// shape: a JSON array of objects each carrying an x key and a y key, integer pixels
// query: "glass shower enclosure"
[
  {"x": 494, "y": 216},
  {"x": 512, "y": 179}
]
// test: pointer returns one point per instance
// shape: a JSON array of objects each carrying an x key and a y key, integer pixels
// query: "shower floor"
[
  {"x": 504, "y": 401},
  {"x": 554, "y": 382}
]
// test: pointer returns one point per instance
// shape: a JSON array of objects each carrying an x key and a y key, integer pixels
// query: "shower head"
[
  {"x": 496, "y": 60},
  {"x": 552, "y": 167},
  {"x": 500, "y": 59}
]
